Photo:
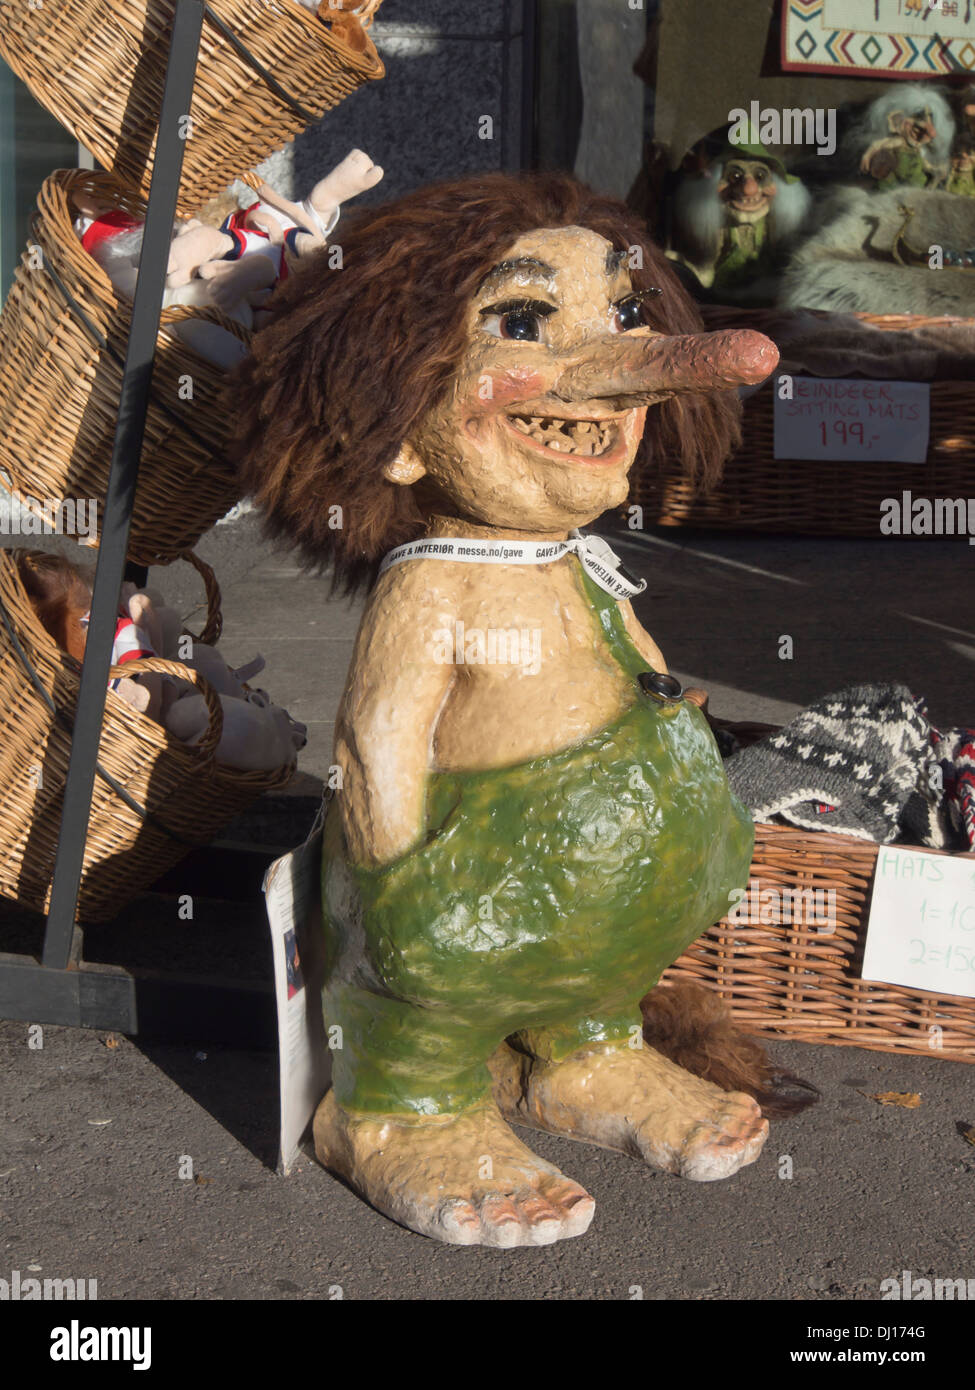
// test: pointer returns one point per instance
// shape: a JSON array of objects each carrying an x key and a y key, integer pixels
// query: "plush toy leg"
[
  {"x": 620, "y": 1094},
  {"x": 410, "y": 1124},
  {"x": 193, "y": 247},
  {"x": 353, "y": 176},
  {"x": 232, "y": 281}
]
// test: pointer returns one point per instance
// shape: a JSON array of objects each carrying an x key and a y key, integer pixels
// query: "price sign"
[
  {"x": 861, "y": 420},
  {"x": 921, "y": 931},
  {"x": 885, "y": 38}
]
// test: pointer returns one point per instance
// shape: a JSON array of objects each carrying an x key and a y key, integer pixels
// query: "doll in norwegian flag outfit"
[
  {"x": 250, "y": 252},
  {"x": 236, "y": 265}
]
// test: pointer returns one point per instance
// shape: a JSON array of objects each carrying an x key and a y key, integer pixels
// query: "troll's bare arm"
[{"x": 385, "y": 734}]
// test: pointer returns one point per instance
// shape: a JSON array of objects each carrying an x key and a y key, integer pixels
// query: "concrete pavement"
[{"x": 92, "y": 1135}]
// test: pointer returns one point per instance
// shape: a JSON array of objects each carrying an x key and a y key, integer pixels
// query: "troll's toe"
[{"x": 718, "y": 1148}]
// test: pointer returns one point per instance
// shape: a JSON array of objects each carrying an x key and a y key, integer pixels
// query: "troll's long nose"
[{"x": 641, "y": 371}]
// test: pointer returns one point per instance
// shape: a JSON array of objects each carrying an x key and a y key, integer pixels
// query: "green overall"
[
  {"x": 544, "y": 899},
  {"x": 961, "y": 182},
  {"x": 745, "y": 254},
  {"x": 910, "y": 168}
]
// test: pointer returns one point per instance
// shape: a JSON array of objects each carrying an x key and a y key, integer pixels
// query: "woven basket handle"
[
  {"x": 214, "y": 623},
  {"x": 207, "y": 745},
  {"x": 209, "y": 313}
]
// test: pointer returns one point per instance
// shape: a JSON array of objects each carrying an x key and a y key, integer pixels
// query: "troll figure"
[
  {"x": 521, "y": 844},
  {"x": 961, "y": 180},
  {"x": 731, "y": 219},
  {"x": 910, "y": 132}
]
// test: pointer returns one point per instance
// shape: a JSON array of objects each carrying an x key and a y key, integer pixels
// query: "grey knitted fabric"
[{"x": 847, "y": 764}]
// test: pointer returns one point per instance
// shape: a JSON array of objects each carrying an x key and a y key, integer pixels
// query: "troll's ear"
[
  {"x": 894, "y": 120},
  {"x": 406, "y": 468}
]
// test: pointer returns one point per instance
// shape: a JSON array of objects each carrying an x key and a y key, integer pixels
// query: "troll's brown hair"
[
  {"x": 355, "y": 357},
  {"x": 59, "y": 594}
]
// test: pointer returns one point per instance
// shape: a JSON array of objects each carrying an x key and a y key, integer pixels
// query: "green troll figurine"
[{"x": 534, "y": 821}]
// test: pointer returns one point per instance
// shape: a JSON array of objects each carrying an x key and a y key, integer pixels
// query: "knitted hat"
[
  {"x": 754, "y": 149},
  {"x": 848, "y": 764}
]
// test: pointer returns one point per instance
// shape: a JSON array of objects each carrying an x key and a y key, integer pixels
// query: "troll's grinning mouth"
[{"x": 588, "y": 438}]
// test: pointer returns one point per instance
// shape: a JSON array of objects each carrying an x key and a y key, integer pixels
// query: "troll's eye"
[
  {"x": 522, "y": 319},
  {"x": 631, "y": 311}
]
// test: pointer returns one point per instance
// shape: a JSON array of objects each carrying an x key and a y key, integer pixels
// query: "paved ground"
[
  {"x": 91, "y": 1135},
  {"x": 874, "y": 1191}
]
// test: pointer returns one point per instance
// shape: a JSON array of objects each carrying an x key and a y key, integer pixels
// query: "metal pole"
[{"x": 129, "y": 433}]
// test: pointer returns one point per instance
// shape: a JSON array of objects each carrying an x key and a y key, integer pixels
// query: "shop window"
[{"x": 32, "y": 145}]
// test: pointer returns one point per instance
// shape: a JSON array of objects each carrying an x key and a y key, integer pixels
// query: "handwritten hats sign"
[{"x": 921, "y": 931}]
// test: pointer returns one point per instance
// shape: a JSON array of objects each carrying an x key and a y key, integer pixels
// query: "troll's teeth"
[{"x": 584, "y": 437}]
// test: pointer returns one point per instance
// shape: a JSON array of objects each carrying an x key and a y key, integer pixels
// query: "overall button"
[{"x": 667, "y": 689}]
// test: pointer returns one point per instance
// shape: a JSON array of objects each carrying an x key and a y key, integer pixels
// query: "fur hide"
[{"x": 846, "y": 264}]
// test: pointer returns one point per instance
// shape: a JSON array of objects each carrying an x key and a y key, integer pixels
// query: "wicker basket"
[
  {"x": 154, "y": 798},
  {"x": 63, "y": 339},
  {"x": 794, "y": 980},
  {"x": 824, "y": 497},
  {"x": 267, "y": 69}
]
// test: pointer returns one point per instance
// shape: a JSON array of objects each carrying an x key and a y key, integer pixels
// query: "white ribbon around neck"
[{"x": 601, "y": 562}]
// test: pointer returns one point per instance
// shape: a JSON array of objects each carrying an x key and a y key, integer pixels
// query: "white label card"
[
  {"x": 292, "y": 895},
  {"x": 921, "y": 931},
  {"x": 861, "y": 420}
]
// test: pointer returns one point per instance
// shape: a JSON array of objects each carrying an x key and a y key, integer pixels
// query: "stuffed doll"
[
  {"x": 908, "y": 133},
  {"x": 730, "y": 221},
  {"x": 232, "y": 266},
  {"x": 114, "y": 239},
  {"x": 961, "y": 178},
  {"x": 534, "y": 821},
  {"x": 253, "y": 248},
  {"x": 257, "y": 735},
  {"x": 60, "y": 594}
]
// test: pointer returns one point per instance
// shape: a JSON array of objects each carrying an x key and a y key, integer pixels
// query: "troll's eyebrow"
[
  {"x": 529, "y": 266},
  {"x": 615, "y": 261}
]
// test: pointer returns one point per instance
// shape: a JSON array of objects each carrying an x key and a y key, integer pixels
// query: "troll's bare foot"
[
  {"x": 636, "y": 1101},
  {"x": 463, "y": 1179}
]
